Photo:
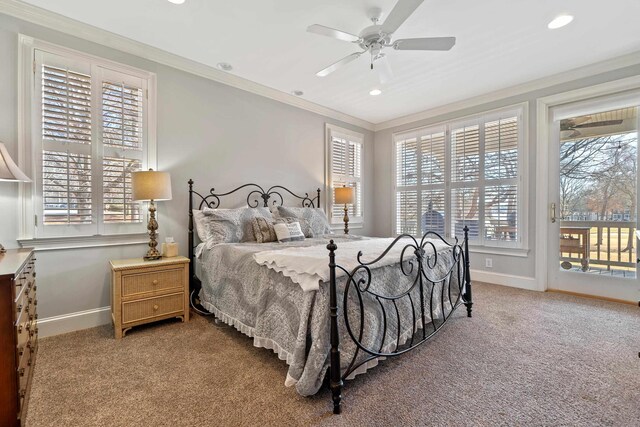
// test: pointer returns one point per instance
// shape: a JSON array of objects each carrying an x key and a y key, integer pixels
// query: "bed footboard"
[{"x": 409, "y": 316}]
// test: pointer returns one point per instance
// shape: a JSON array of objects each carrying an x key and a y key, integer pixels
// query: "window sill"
[
  {"x": 76, "y": 242},
  {"x": 495, "y": 250}
]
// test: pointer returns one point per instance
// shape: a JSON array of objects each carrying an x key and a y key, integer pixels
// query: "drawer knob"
[
  {"x": 35, "y": 288},
  {"x": 20, "y": 351},
  {"x": 20, "y": 328},
  {"x": 155, "y": 282},
  {"x": 34, "y": 274},
  {"x": 21, "y": 372},
  {"x": 19, "y": 308},
  {"x": 23, "y": 393},
  {"x": 35, "y": 302},
  {"x": 29, "y": 362},
  {"x": 28, "y": 326},
  {"x": 155, "y": 307}
]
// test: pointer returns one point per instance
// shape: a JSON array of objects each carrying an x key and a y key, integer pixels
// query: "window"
[
  {"x": 462, "y": 174},
  {"x": 344, "y": 168},
  {"x": 90, "y": 131}
]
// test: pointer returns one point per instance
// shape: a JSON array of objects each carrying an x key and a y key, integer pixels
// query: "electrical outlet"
[{"x": 488, "y": 262}]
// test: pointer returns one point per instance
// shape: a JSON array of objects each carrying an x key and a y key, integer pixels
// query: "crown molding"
[
  {"x": 57, "y": 22},
  {"x": 542, "y": 83}
]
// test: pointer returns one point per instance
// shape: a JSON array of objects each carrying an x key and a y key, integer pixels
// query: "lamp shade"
[
  {"x": 344, "y": 195},
  {"x": 9, "y": 171},
  {"x": 151, "y": 185}
]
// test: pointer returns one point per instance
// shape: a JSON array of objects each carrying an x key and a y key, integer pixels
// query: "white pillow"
[{"x": 288, "y": 232}]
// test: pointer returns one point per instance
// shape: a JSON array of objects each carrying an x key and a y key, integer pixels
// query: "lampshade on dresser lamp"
[
  {"x": 9, "y": 171},
  {"x": 344, "y": 195},
  {"x": 151, "y": 186}
]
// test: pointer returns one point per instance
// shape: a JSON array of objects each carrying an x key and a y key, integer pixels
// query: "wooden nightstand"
[{"x": 147, "y": 291}]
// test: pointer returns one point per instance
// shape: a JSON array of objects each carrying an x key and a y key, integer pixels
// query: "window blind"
[
  {"x": 93, "y": 136},
  {"x": 121, "y": 116},
  {"x": 66, "y": 188},
  {"x": 117, "y": 193},
  {"x": 458, "y": 175},
  {"x": 346, "y": 170},
  {"x": 66, "y": 105}
]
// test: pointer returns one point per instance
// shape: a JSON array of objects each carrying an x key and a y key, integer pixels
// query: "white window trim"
[
  {"x": 522, "y": 109},
  {"x": 27, "y": 47},
  {"x": 330, "y": 130}
]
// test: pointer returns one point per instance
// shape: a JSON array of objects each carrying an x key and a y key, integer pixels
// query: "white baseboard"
[
  {"x": 521, "y": 282},
  {"x": 64, "y": 323}
]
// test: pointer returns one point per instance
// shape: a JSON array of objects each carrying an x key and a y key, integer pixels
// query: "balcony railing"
[{"x": 601, "y": 244}]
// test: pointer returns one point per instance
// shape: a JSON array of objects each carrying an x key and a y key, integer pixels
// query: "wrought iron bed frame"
[{"x": 357, "y": 282}]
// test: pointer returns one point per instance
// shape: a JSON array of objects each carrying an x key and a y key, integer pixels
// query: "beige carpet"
[{"x": 525, "y": 358}]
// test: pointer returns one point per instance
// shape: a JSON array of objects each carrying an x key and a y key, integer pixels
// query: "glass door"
[{"x": 593, "y": 194}]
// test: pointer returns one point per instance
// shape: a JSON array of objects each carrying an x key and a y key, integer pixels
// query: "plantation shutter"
[
  {"x": 465, "y": 193},
  {"x": 121, "y": 113},
  {"x": 420, "y": 180},
  {"x": 92, "y": 136},
  {"x": 501, "y": 179},
  {"x": 65, "y": 115},
  {"x": 462, "y": 174},
  {"x": 346, "y": 170}
]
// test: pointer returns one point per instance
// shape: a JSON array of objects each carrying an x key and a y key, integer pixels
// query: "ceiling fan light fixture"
[
  {"x": 297, "y": 92},
  {"x": 375, "y": 92},
  {"x": 560, "y": 21},
  {"x": 176, "y": 1}
]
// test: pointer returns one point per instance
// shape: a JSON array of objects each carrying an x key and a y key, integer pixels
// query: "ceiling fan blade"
[
  {"x": 331, "y": 32},
  {"x": 425, "y": 43},
  {"x": 599, "y": 124},
  {"x": 402, "y": 10},
  {"x": 333, "y": 67},
  {"x": 381, "y": 65}
]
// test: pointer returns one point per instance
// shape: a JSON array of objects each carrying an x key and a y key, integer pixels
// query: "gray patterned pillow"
[
  {"x": 234, "y": 225},
  {"x": 316, "y": 221}
]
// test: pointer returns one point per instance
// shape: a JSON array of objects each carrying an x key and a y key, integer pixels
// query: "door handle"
[{"x": 553, "y": 212}]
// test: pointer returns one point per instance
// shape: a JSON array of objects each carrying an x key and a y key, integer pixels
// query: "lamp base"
[
  {"x": 152, "y": 253},
  {"x": 346, "y": 220}
]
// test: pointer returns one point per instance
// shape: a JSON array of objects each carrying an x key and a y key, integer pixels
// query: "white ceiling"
[{"x": 500, "y": 43}]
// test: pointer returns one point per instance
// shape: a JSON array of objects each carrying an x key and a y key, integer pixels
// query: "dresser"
[
  {"x": 148, "y": 291},
  {"x": 18, "y": 333}
]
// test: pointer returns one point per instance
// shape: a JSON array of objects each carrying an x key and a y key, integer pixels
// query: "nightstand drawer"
[
  {"x": 156, "y": 281},
  {"x": 134, "y": 311}
]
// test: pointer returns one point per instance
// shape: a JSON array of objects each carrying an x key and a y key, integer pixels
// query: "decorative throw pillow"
[
  {"x": 288, "y": 231},
  {"x": 263, "y": 230},
  {"x": 234, "y": 225},
  {"x": 317, "y": 223}
]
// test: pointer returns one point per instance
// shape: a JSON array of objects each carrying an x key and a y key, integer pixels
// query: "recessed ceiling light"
[
  {"x": 176, "y": 1},
  {"x": 224, "y": 66},
  {"x": 297, "y": 92},
  {"x": 375, "y": 92},
  {"x": 560, "y": 21}
]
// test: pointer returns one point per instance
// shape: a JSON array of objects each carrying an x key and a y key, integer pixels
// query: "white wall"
[
  {"x": 223, "y": 137},
  {"x": 502, "y": 264},
  {"x": 215, "y": 134}
]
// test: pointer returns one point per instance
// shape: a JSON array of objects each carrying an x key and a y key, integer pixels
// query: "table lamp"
[
  {"x": 151, "y": 186},
  {"x": 344, "y": 195},
  {"x": 10, "y": 172}
]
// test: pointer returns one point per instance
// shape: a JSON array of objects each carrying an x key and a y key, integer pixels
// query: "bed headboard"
[{"x": 256, "y": 196}]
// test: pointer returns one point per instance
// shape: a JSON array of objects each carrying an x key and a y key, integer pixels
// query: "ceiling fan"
[
  {"x": 574, "y": 125},
  {"x": 377, "y": 37}
]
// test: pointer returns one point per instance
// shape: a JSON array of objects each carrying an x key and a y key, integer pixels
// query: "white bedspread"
[{"x": 309, "y": 266}]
